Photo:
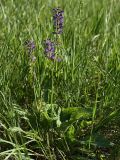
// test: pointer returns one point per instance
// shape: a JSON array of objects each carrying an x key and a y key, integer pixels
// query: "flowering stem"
[{"x": 52, "y": 88}]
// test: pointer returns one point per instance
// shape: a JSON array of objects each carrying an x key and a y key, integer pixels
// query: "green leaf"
[
  {"x": 75, "y": 113},
  {"x": 71, "y": 133},
  {"x": 15, "y": 129},
  {"x": 99, "y": 140}
]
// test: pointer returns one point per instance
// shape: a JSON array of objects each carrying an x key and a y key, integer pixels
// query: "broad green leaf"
[
  {"x": 75, "y": 113},
  {"x": 71, "y": 133}
]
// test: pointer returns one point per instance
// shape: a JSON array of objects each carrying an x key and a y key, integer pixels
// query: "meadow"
[{"x": 67, "y": 109}]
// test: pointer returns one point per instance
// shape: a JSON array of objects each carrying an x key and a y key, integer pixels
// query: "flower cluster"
[
  {"x": 58, "y": 20},
  {"x": 58, "y": 29},
  {"x": 49, "y": 49},
  {"x": 30, "y": 45},
  {"x": 49, "y": 45}
]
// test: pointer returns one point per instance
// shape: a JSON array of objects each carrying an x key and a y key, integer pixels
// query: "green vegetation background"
[{"x": 67, "y": 110}]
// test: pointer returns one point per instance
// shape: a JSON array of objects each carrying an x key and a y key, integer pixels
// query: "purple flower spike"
[
  {"x": 49, "y": 47},
  {"x": 51, "y": 57},
  {"x": 58, "y": 20},
  {"x": 50, "y": 50},
  {"x": 30, "y": 46}
]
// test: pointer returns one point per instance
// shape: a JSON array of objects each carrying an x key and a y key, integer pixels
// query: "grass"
[{"x": 65, "y": 110}]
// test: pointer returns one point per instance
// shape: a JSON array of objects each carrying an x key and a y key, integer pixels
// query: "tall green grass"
[{"x": 67, "y": 110}]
